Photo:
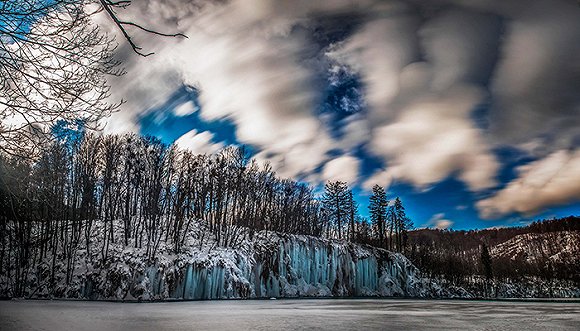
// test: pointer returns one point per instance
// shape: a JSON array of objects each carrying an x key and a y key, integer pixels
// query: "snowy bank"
[{"x": 269, "y": 265}]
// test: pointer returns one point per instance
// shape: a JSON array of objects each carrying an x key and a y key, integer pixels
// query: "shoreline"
[{"x": 395, "y": 298}]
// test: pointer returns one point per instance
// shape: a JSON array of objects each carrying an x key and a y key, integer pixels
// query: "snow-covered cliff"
[
  {"x": 272, "y": 266},
  {"x": 269, "y": 265}
]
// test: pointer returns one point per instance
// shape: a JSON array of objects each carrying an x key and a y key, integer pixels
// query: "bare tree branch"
[{"x": 54, "y": 65}]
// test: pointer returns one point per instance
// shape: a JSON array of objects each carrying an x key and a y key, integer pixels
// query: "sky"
[{"x": 467, "y": 110}]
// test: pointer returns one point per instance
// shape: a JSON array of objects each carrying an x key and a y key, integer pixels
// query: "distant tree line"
[
  {"x": 465, "y": 257},
  {"x": 51, "y": 206}
]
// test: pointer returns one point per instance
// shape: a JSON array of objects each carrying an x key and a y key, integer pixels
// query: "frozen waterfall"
[{"x": 290, "y": 266}]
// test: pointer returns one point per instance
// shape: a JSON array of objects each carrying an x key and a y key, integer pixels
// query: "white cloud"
[
  {"x": 440, "y": 222},
  {"x": 421, "y": 111},
  {"x": 198, "y": 142},
  {"x": 443, "y": 224},
  {"x": 356, "y": 131},
  {"x": 379, "y": 51},
  {"x": 554, "y": 180},
  {"x": 434, "y": 138},
  {"x": 344, "y": 168},
  {"x": 381, "y": 177},
  {"x": 185, "y": 109}
]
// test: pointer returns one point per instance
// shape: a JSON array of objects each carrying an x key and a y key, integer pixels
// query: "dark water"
[{"x": 321, "y": 314}]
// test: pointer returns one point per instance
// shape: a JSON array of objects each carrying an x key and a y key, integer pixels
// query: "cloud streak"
[
  {"x": 439, "y": 221},
  {"x": 552, "y": 181},
  {"x": 198, "y": 142},
  {"x": 424, "y": 71}
]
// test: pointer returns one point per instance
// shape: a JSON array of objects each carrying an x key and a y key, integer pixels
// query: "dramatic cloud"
[
  {"x": 434, "y": 138},
  {"x": 535, "y": 83},
  {"x": 554, "y": 180},
  {"x": 421, "y": 111},
  {"x": 442, "y": 85},
  {"x": 461, "y": 47}
]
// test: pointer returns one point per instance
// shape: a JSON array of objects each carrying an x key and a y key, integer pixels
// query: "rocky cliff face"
[
  {"x": 272, "y": 266},
  {"x": 295, "y": 266}
]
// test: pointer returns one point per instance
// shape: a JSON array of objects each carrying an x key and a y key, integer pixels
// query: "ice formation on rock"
[{"x": 291, "y": 266}]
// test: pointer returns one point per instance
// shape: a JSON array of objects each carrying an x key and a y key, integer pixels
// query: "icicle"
[{"x": 297, "y": 266}]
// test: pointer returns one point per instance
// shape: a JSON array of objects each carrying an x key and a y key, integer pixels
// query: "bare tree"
[
  {"x": 54, "y": 63},
  {"x": 53, "y": 66}
]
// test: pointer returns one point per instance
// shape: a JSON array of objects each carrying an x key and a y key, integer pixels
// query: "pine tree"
[
  {"x": 407, "y": 225},
  {"x": 352, "y": 213},
  {"x": 400, "y": 218},
  {"x": 378, "y": 212},
  {"x": 486, "y": 264},
  {"x": 336, "y": 203}
]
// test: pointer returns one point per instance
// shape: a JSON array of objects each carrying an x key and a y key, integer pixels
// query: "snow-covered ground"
[
  {"x": 561, "y": 246},
  {"x": 284, "y": 314}
]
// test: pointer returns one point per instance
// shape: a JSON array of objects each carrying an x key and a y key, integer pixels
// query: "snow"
[
  {"x": 562, "y": 246},
  {"x": 271, "y": 265}
]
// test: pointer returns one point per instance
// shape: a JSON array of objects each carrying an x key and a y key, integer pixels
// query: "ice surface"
[{"x": 303, "y": 314}]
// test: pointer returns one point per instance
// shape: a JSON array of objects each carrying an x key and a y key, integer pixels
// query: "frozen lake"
[{"x": 331, "y": 314}]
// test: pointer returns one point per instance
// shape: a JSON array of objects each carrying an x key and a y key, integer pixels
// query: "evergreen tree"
[
  {"x": 378, "y": 212},
  {"x": 407, "y": 225},
  {"x": 336, "y": 203},
  {"x": 486, "y": 264},
  {"x": 352, "y": 213},
  {"x": 400, "y": 218}
]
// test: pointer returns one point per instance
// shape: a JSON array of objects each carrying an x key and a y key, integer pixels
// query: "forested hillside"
[
  {"x": 545, "y": 250},
  {"x": 50, "y": 206}
]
